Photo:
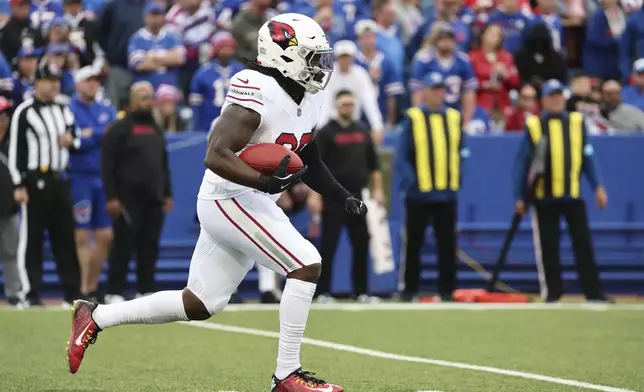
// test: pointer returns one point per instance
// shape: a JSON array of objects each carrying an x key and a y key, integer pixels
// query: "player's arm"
[
  {"x": 319, "y": 178},
  {"x": 231, "y": 132}
]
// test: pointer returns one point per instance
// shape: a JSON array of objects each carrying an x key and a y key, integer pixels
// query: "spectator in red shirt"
[
  {"x": 528, "y": 104},
  {"x": 494, "y": 69}
]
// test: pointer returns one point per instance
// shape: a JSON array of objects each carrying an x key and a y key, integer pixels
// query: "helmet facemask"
[{"x": 316, "y": 73}]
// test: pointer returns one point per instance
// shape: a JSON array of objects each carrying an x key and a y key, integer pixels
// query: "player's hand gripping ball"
[{"x": 265, "y": 157}]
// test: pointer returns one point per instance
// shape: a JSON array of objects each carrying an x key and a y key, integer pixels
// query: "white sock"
[
  {"x": 294, "y": 311},
  {"x": 157, "y": 308},
  {"x": 267, "y": 279}
]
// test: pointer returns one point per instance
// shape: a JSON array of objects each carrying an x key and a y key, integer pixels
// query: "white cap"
[
  {"x": 638, "y": 66},
  {"x": 365, "y": 26},
  {"x": 85, "y": 73},
  {"x": 344, "y": 47}
]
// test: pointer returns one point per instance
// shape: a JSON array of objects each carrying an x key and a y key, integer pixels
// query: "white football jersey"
[{"x": 283, "y": 122}]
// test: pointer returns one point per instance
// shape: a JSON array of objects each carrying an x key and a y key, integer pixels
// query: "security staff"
[
  {"x": 41, "y": 135},
  {"x": 348, "y": 151},
  {"x": 428, "y": 164},
  {"x": 557, "y": 193},
  {"x": 136, "y": 179}
]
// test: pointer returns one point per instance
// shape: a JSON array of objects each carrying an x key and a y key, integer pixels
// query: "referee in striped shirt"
[{"x": 40, "y": 137}]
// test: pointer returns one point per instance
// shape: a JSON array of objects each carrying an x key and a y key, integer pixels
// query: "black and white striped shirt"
[{"x": 34, "y": 138}]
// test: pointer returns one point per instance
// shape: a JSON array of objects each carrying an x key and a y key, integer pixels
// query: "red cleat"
[
  {"x": 300, "y": 381},
  {"x": 84, "y": 333}
]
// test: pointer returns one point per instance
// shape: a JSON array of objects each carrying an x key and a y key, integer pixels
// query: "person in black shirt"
[
  {"x": 83, "y": 34},
  {"x": 348, "y": 151},
  {"x": 18, "y": 32},
  {"x": 134, "y": 167},
  {"x": 8, "y": 217}
]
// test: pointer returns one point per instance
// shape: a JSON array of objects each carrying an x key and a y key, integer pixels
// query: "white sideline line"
[{"x": 405, "y": 358}]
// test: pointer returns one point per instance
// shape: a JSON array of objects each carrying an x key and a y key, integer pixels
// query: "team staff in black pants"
[
  {"x": 557, "y": 194},
  {"x": 40, "y": 136},
  {"x": 428, "y": 163},
  {"x": 136, "y": 177},
  {"x": 348, "y": 151}
]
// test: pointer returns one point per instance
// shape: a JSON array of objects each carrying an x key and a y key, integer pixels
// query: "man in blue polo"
[{"x": 91, "y": 217}]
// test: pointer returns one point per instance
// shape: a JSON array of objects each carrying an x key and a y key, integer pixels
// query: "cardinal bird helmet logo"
[{"x": 282, "y": 34}]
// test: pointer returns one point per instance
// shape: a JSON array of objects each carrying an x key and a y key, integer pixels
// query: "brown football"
[{"x": 265, "y": 157}]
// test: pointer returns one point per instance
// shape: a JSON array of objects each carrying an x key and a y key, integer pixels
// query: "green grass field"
[{"x": 422, "y": 348}]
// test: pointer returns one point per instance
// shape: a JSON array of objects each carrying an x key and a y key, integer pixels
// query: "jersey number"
[
  {"x": 220, "y": 86},
  {"x": 290, "y": 141}
]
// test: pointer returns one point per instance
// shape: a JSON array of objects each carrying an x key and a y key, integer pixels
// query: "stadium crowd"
[{"x": 494, "y": 57}]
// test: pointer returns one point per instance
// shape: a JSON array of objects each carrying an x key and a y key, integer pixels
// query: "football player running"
[{"x": 276, "y": 100}]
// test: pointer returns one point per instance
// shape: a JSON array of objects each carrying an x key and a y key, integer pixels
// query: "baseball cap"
[
  {"x": 48, "y": 71},
  {"x": 28, "y": 51},
  {"x": 86, "y": 73},
  {"x": 344, "y": 47},
  {"x": 58, "y": 49},
  {"x": 13, "y": 2},
  {"x": 638, "y": 65},
  {"x": 365, "y": 26},
  {"x": 154, "y": 8},
  {"x": 441, "y": 29},
  {"x": 434, "y": 80},
  {"x": 552, "y": 86}
]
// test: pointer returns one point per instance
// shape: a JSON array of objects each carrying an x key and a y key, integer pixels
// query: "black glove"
[
  {"x": 355, "y": 206},
  {"x": 280, "y": 180}
]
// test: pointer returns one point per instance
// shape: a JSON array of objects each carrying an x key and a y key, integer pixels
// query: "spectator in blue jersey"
[
  {"x": 387, "y": 80},
  {"x": 93, "y": 223},
  {"x": 58, "y": 56},
  {"x": 481, "y": 123},
  {"x": 345, "y": 14},
  {"x": 210, "y": 84},
  {"x": 389, "y": 34},
  {"x": 6, "y": 81},
  {"x": 546, "y": 13},
  {"x": 325, "y": 17},
  {"x": 226, "y": 11},
  {"x": 44, "y": 11},
  {"x": 513, "y": 22},
  {"x": 443, "y": 11},
  {"x": 454, "y": 66},
  {"x": 633, "y": 94},
  {"x": 155, "y": 54},
  {"x": 118, "y": 21},
  {"x": 537, "y": 60},
  {"x": 24, "y": 76},
  {"x": 631, "y": 46},
  {"x": 603, "y": 33}
]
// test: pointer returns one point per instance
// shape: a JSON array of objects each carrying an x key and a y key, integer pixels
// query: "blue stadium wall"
[{"x": 485, "y": 210}]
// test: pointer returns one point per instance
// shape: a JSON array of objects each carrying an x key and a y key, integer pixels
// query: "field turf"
[{"x": 569, "y": 347}]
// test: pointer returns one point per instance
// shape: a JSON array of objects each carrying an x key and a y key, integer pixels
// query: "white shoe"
[
  {"x": 325, "y": 299},
  {"x": 368, "y": 299},
  {"x": 114, "y": 299}
]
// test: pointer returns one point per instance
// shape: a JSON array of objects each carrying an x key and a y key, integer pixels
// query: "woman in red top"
[
  {"x": 494, "y": 69},
  {"x": 528, "y": 103}
]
